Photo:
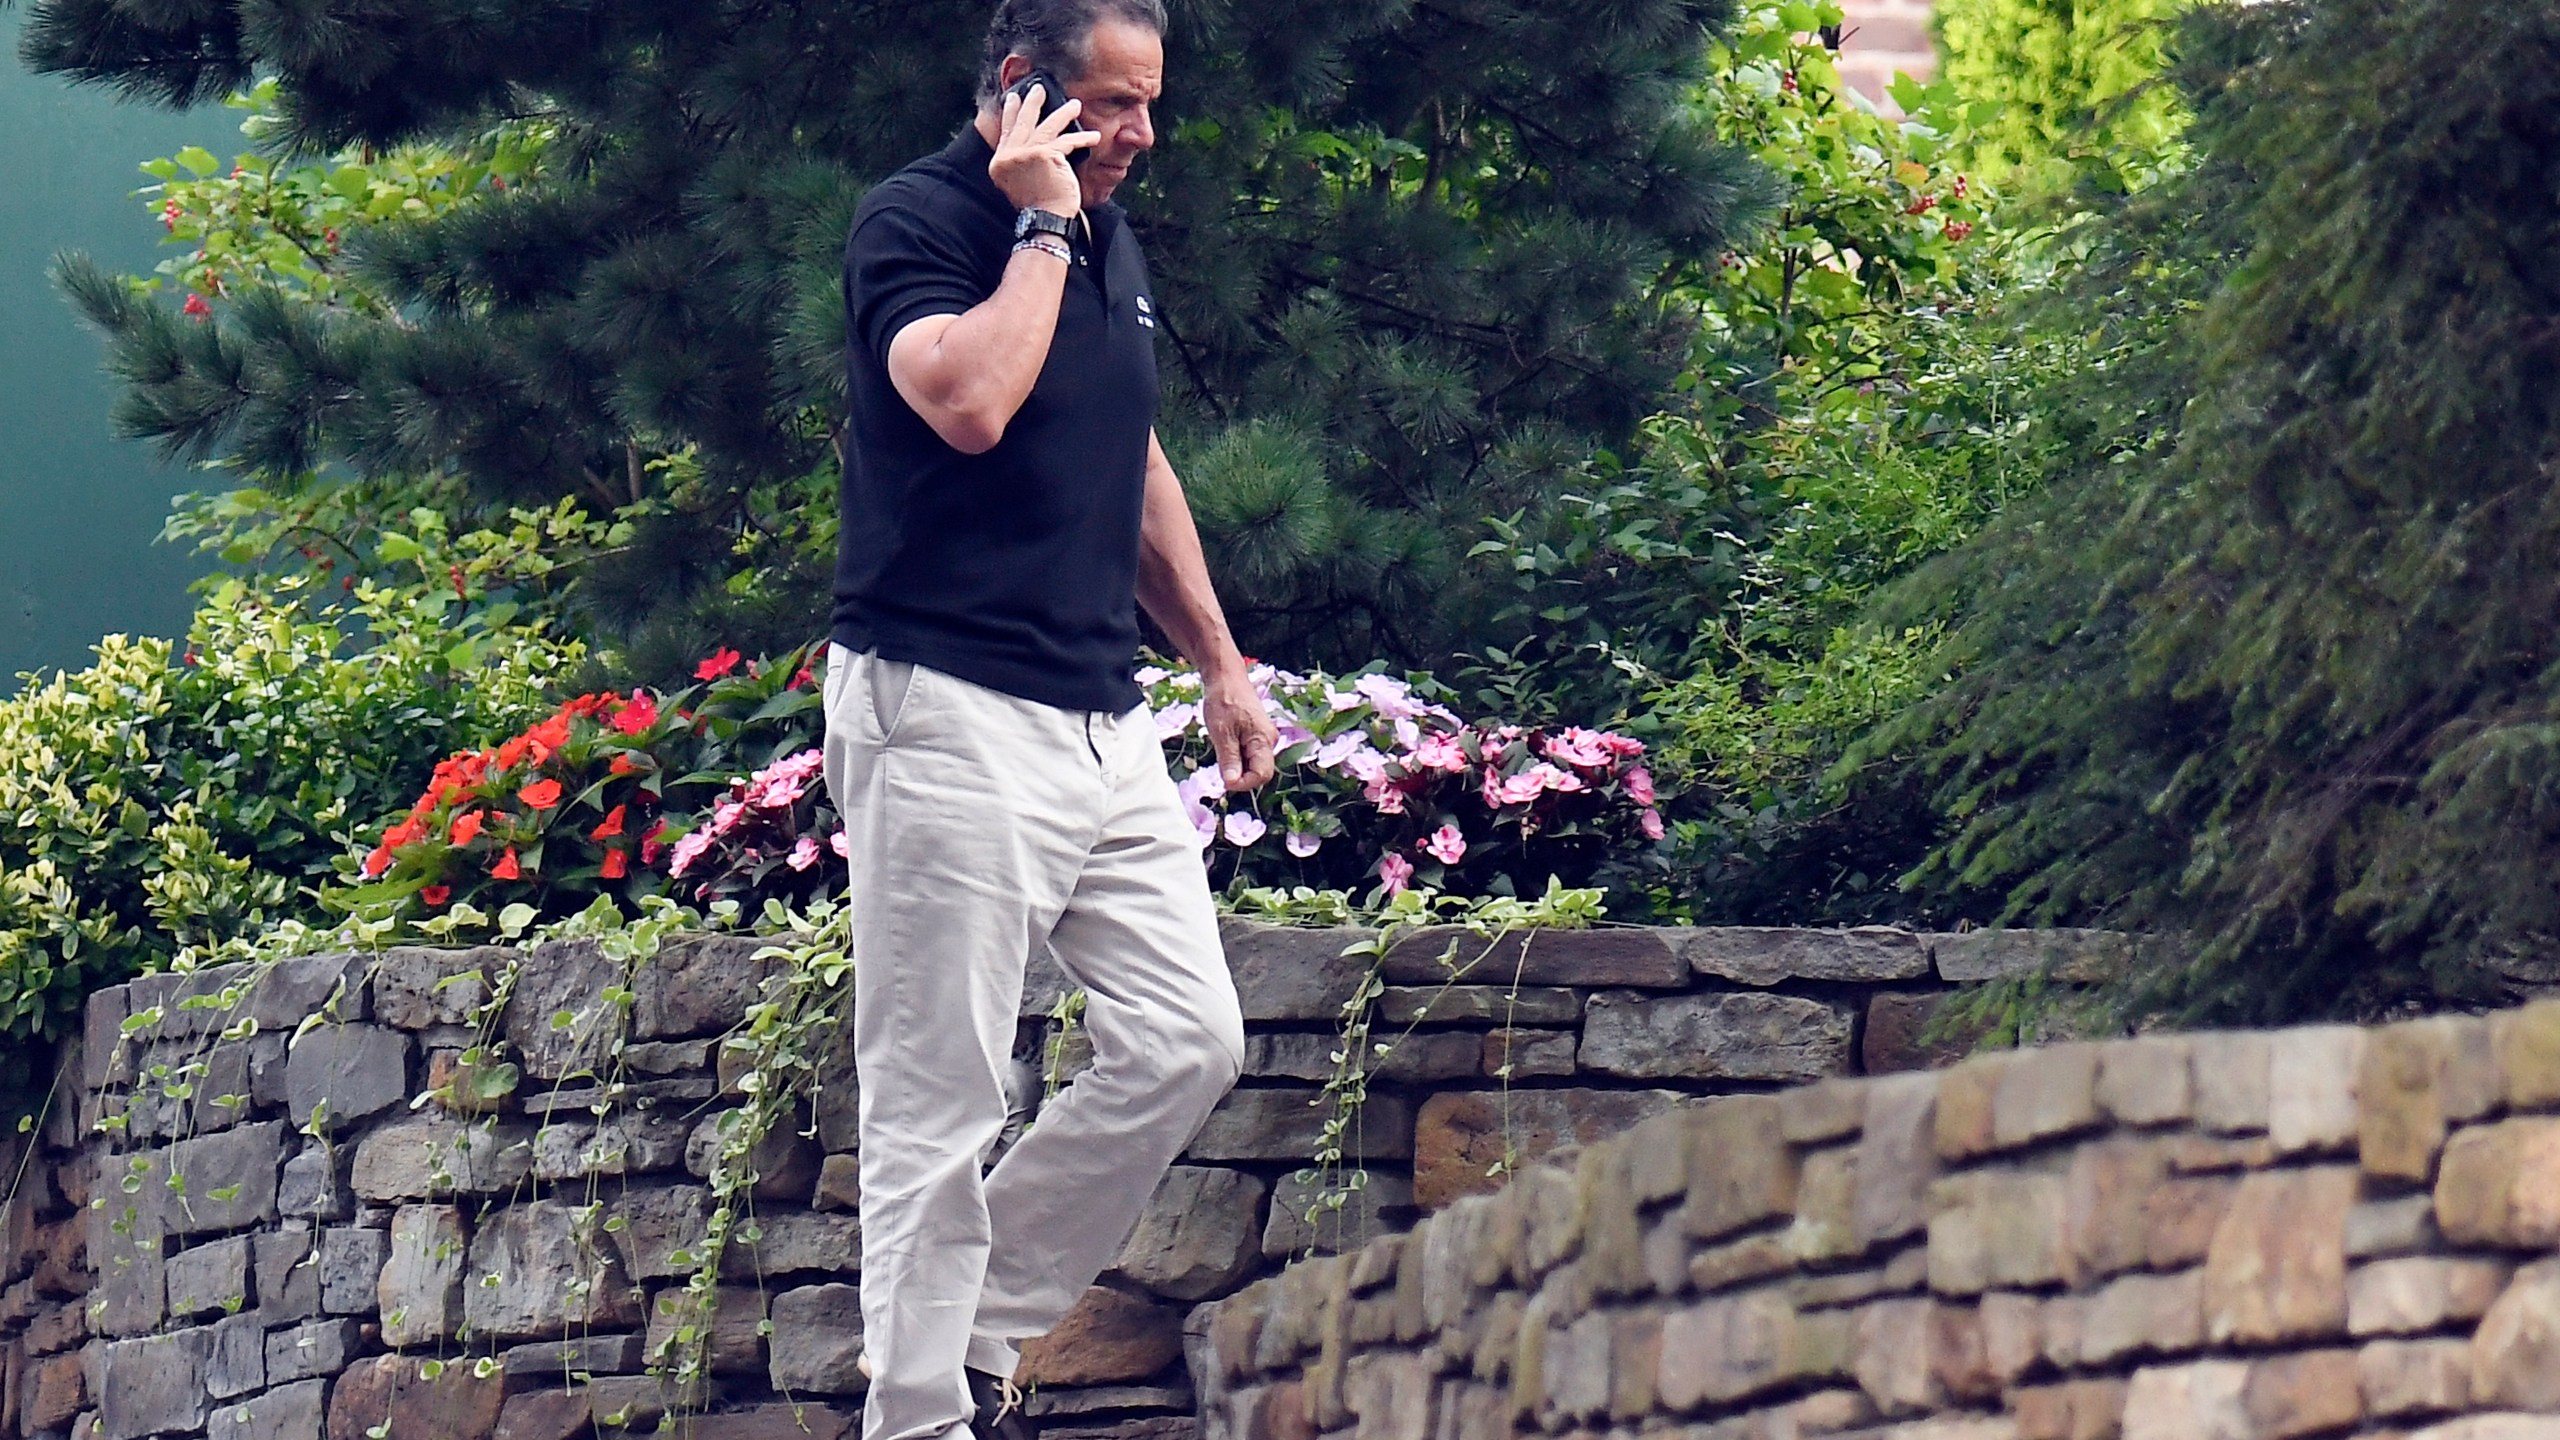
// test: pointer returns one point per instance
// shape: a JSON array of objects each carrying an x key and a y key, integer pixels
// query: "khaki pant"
[{"x": 981, "y": 828}]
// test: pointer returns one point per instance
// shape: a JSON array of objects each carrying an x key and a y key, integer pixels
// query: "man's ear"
[{"x": 1011, "y": 72}]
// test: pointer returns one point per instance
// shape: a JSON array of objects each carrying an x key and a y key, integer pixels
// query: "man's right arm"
[{"x": 967, "y": 374}]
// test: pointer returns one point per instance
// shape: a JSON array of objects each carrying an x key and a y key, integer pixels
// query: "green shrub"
[
  {"x": 171, "y": 797},
  {"x": 2282, "y": 677},
  {"x": 2077, "y": 85}
]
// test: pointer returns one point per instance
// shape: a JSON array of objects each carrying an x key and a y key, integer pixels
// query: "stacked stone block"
[
  {"x": 2318, "y": 1232},
  {"x": 280, "y": 1205}
]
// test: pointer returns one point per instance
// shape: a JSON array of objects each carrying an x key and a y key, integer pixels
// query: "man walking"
[{"x": 1006, "y": 508}]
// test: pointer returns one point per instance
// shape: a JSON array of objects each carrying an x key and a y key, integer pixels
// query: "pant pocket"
[{"x": 893, "y": 685}]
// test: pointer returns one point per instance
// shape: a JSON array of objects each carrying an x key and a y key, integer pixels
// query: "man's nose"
[{"x": 1140, "y": 133}]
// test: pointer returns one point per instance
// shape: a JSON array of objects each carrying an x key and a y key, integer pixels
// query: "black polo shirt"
[{"x": 1016, "y": 569}]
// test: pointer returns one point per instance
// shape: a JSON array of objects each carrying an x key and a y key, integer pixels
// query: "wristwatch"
[{"x": 1033, "y": 221}]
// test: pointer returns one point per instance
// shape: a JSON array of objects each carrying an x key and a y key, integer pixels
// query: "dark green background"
[{"x": 78, "y": 508}]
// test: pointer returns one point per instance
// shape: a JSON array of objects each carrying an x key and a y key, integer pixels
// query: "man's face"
[{"x": 1117, "y": 88}]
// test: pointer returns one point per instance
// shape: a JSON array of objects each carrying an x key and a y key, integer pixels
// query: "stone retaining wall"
[
  {"x": 274, "y": 1204},
  {"x": 2231, "y": 1236}
]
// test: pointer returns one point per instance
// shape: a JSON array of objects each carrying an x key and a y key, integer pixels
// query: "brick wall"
[
  {"x": 1882, "y": 37},
  {"x": 2240, "y": 1236},
  {"x": 344, "y": 1253}
]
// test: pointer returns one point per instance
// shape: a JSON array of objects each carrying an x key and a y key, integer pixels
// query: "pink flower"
[
  {"x": 1494, "y": 798},
  {"x": 1622, "y": 745},
  {"x": 1440, "y": 752},
  {"x": 1446, "y": 845},
  {"x": 1195, "y": 791},
  {"x": 1395, "y": 872},
  {"x": 1639, "y": 783},
  {"x": 1243, "y": 829},
  {"x": 804, "y": 852},
  {"x": 842, "y": 844},
  {"x": 1331, "y": 754},
  {"x": 196, "y": 307},
  {"x": 1390, "y": 697},
  {"x": 1387, "y": 797},
  {"x": 1577, "y": 746},
  {"x": 1563, "y": 782},
  {"x": 1303, "y": 843},
  {"x": 1366, "y": 764},
  {"x": 1651, "y": 821},
  {"x": 688, "y": 850},
  {"x": 780, "y": 784},
  {"x": 1173, "y": 720}
]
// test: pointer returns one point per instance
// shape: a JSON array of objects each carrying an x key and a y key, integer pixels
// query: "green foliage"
[
  {"x": 1877, "y": 381},
  {"x": 1851, "y": 409},
  {"x": 2280, "y": 676},
  {"x": 1433, "y": 251},
  {"x": 277, "y": 223},
  {"x": 161, "y": 803},
  {"x": 2074, "y": 88}
]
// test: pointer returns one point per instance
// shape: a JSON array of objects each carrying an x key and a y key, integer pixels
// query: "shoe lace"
[{"x": 1008, "y": 1398}]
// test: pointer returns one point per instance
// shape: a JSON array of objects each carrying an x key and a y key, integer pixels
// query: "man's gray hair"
[{"x": 1054, "y": 35}]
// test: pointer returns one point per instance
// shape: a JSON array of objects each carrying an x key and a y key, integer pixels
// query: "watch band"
[
  {"x": 1033, "y": 221},
  {"x": 1045, "y": 246}
]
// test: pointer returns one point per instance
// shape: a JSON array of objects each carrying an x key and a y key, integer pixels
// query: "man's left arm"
[{"x": 1173, "y": 583}]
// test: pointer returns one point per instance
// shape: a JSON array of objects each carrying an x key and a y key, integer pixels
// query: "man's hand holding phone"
[{"x": 1031, "y": 164}]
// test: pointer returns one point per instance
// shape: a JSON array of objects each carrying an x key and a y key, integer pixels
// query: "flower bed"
[{"x": 716, "y": 794}]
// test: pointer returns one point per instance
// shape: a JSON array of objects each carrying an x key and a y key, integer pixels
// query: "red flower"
[
  {"x": 801, "y": 677},
  {"x": 617, "y": 863},
  {"x": 511, "y": 754},
  {"x": 722, "y": 661},
  {"x": 548, "y": 736},
  {"x": 436, "y": 895},
  {"x": 612, "y": 825},
  {"x": 507, "y": 868},
  {"x": 623, "y": 764},
  {"x": 1958, "y": 229},
  {"x": 649, "y": 846},
  {"x": 378, "y": 861},
  {"x": 466, "y": 826},
  {"x": 541, "y": 794},
  {"x": 196, "y": 307},
  {"x": 459, "y": 593},
  {"x": 637, "y": 715},
  {"x": 407, "y": 832}
]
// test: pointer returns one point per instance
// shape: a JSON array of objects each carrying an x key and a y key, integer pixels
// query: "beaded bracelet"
[{"x": 1045, "y": 246}]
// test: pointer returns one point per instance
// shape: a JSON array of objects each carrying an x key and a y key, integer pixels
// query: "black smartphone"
[{"x": 1052, "y": 94}]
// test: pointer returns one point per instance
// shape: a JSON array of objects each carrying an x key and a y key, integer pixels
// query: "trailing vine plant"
[{"x": 1334, "y": 1176}]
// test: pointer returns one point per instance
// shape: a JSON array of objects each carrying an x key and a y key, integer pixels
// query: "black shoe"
[{"x": 1000, "y": 1415}]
